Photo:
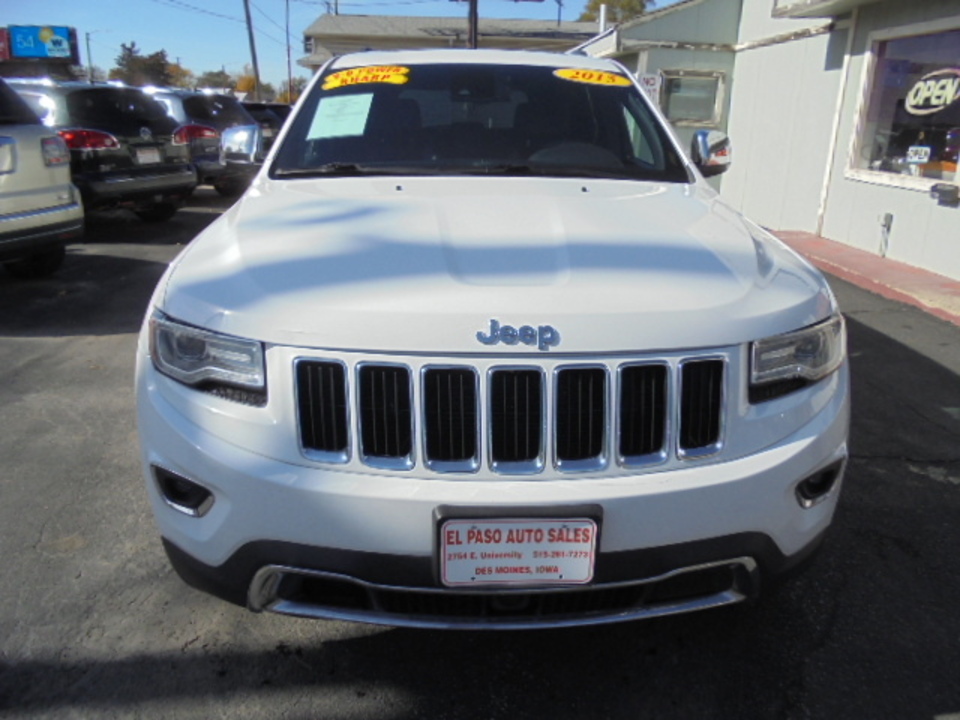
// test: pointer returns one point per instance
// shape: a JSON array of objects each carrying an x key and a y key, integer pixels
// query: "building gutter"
[{"x": 784, "y": 38}]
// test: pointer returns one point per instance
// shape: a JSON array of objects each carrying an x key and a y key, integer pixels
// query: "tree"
[
  {"x": 618, "y": 11},
  {"x": 135, "y": 69},
  {"x": 180, "y": 76},
  {"x": 290, "y": 92},
  {"x": 218, "y": 79}
]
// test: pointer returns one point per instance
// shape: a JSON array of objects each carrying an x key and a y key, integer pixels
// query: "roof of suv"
[
  {"x": 463, "y": 56},
  {"x": 209, "y": 108}
]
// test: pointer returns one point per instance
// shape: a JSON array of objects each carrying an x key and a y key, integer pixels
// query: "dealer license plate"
[
  {"x": 148, "y": 156},
  {"x": 517, "y": 551}
]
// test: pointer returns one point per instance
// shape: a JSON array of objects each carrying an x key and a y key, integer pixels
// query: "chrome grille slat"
[
  {"x": 643, "y": 408},
  {"x": 701, "y": 383},
  {"x": 386, "y": 420},
  {"x": 511, "y": 419},
  {"x": 450, "y": 415},
  {"x": 516, "y": 425},
  {"x": 322, "y": 405},
  {"x": 581, "y": 416}
]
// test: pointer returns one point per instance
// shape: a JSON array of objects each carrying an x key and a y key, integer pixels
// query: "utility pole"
[
  {"x": 89, "y": 61},
  {"x": 289, "y": 71},
  {"x": 472, "y": 21},
  {"x": 253, "y": 52}
]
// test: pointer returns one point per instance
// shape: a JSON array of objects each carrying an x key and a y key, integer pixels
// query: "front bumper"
[{"x": 331, "y": 542}]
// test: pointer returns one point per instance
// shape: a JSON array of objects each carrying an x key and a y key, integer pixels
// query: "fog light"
[
  {"x": 182, "y": 494},
  {"x": 814, "y": 489}
]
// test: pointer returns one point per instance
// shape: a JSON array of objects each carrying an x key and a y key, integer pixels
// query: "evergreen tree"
[{"x": 136, "y": 69}]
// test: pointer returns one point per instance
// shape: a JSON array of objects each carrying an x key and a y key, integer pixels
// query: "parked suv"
[
  {"x": 271, "y": 117},
  {"x": 481, "y": 348},
  {"x": 40, "y": 209},
  {"x": 125, "y": 150},
  {"x": 226, "y": 142}
]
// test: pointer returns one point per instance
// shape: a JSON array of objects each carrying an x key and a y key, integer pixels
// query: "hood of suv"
[{"x": 433, "y": 264}]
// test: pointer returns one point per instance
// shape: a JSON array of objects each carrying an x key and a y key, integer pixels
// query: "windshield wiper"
[
  {"x": 339, "y": 169},
  {"x": 336, "y": 168},
  {"x": 499, "y": 169}
]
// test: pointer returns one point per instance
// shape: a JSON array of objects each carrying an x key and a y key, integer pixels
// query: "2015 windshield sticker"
[
  {"x": 393, "y": 74},
  {"x": 592, "y": 77}
]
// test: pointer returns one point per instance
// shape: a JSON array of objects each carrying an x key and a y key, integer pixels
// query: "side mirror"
[{"x": 711, "y": 152}]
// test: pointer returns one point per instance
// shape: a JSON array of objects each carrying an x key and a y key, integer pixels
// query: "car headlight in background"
[
  {"x": 784, "y": 363},
  {"x": 227, "y": 366}
]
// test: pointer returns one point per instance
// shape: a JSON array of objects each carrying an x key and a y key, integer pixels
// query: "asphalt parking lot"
[{"x": 94, "y": 623}]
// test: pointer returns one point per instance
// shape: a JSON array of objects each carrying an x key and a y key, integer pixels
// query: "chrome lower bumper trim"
[{"x": 266, "y": 595}]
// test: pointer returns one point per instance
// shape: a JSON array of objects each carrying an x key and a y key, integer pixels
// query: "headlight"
[
  {"x": 784, "y": 363},
  {"x": 199, "y": 357}
]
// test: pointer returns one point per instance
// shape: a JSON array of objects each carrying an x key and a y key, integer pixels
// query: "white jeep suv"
[{"x": 480, "y": 348}]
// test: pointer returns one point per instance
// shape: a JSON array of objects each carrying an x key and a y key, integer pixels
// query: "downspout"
[{"x": 835, "y": 130}]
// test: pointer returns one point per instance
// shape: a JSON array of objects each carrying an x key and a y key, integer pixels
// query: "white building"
[{"x": 844, "y": 114}]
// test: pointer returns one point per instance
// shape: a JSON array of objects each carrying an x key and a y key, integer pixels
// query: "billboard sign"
[{"x": 40, "y": 41}]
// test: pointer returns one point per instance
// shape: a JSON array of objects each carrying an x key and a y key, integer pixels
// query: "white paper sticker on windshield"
[{"x": 341, "y": 116}]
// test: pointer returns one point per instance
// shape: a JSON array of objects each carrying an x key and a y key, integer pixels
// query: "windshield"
[
  {"x": 13, "y": 110},
  {"x": 118, "y": 110},
  {"x": 218, "y": 110},
  {"x": 477, "y": 119}
]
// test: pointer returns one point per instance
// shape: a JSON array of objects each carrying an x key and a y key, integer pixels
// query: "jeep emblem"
[{"x": 543, "y": 336}]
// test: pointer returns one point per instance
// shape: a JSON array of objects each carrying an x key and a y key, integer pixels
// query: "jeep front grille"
[{"x": 514, "y": 420}]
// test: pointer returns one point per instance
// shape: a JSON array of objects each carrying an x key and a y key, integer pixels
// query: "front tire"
[{"x": 230, "y": 188}]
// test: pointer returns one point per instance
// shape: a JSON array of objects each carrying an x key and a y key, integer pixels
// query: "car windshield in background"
[
  {"x": 477, "y": 119},
  {"x": 13, "y": 110},
  {"x": 117, "y": 109},
  {"x": 222, "y": 111}
]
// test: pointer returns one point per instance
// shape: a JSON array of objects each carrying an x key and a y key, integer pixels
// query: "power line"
[
  {"x": 270, "y": 19},
  {"x": 180, "y": 5}
]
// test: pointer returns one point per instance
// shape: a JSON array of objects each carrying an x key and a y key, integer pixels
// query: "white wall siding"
[{"x": 783, "y": 106}]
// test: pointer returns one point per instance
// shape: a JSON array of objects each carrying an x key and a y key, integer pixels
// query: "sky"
[{"x": 207, "y": 35}]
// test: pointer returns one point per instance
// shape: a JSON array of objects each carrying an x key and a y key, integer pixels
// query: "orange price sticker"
[{"x": 392, "y": 74}]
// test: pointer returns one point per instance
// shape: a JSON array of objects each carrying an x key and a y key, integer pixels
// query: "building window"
[
  {"x": 692, "y": 97},
  {"x": 308, "y": 44},
  {"x": 912, "y": 122}
]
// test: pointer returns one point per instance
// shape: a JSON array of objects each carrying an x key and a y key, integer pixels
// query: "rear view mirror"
[{"x": 711, "y": 152}]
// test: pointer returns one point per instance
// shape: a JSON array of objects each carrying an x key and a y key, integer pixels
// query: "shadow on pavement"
[{"x": 106, "y": 281}]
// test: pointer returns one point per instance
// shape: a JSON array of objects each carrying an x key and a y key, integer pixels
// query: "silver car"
[{"x": 40, "y": 209}]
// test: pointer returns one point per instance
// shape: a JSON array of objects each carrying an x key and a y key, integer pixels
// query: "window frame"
[
  {"x": 867, "y": 77},
  {"x": 716, "y": 119}
]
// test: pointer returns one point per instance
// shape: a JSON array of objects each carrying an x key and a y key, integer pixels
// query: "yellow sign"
[
  {"x": 592, "y": 77},
  {"x": 372, "y": 74}
]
